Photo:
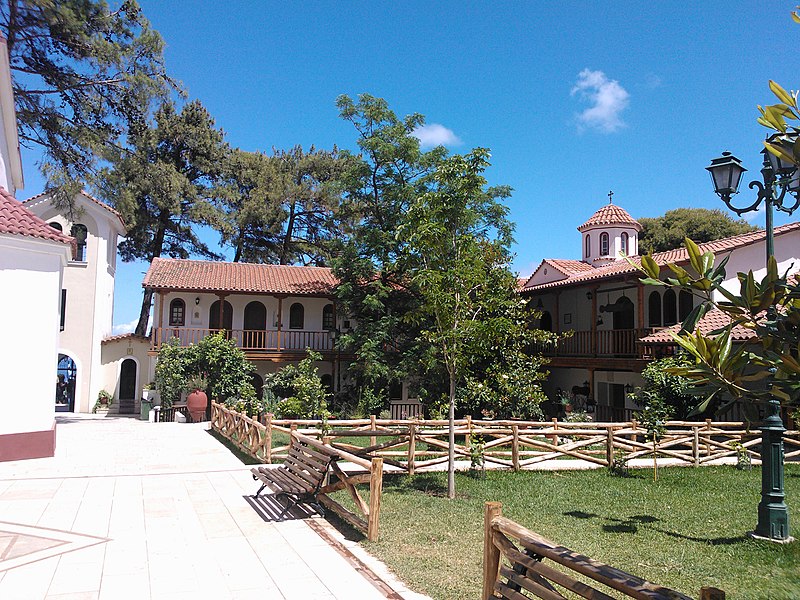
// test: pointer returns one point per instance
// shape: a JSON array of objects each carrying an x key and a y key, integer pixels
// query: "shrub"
[{"x": 306, "y": 396}]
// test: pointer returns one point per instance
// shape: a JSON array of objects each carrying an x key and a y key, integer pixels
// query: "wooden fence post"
[
  {"x": 412, "y": 448},
  {"x": 515, "y": 447},
  {"x": 711, "y": 593},
  {"x": 268, "y": 423},
  {"x": 610, "y": 445},
  {"x": 708, "y": 444},
  {"x": 696, "y": 445},
  {"x": 491, "y": 554},
  {"x": 555, "y": 426},
  {"x": 375, "y": 489},
  {"x": 372, "y": 438},
  {"x": 468, "y": 435}
]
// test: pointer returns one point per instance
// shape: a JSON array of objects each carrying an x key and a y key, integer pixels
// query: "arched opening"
[
  {"x": 328, "y": 318},
  {"x": 546, "y": 322},
  {"x": 587, "y": 246},
  {"x": 623, "y": 243},
  {"x": 177, "y": 313},
  {"x": 255, "y": 324},
  {"x": 604, "y": 244},
  {"x": 654, "y": 309},
  {"x": 670, "y": 308},
  {"x": 327, "y": 383},
  {"x": 623, "y": 313},
  {"x": 227, "y": 316},
  {"x": 296, "y": 316},
  {"x": 685, "y": 304},
  {"x": 127, "y": 386},
  {"x": 66, "y": 378},
  {"x": 56, "y": 225},
  {"x": 258, "y": 384},
  {"x": 80, "y": 233}
]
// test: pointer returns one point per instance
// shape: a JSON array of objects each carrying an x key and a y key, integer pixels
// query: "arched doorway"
[
  {"x": 623, "y": 313},
  {"x": 255, "y": 324},
  {"x": 227, "y": 316},
  {"x": 546, "y": 322},
  {"x": 66, "y": 379},
  {"x": 127, "y": 387}
]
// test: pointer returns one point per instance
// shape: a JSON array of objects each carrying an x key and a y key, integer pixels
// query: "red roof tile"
[
  {"x": 715, "y": 319},
  {"x": 611, "y": 214},
  {"x": 125, "y": 336},
  {"x": 90, "y": 198},
  {"x": 18, "y": 220},
  {"x": 569, "y": 267},
  {"x": 203, "y": 275},
  {"x": 678, "y": 256}
]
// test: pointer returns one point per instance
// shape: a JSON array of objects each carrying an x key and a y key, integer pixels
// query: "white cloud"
[
  {"x": 435, "y": 134},
  {"x": 755, "y": 215},
  {"x": 607, "y": 99},
  {"x": 125, "y": 327}
]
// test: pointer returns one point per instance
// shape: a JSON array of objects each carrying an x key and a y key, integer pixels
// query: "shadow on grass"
[{"x": 245, "y": 458}]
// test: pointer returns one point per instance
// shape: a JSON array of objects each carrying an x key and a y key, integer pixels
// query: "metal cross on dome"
[{"x": 611, "y": 197}]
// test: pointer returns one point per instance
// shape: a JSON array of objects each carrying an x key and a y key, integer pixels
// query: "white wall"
[{"x": 30, "y": 275}]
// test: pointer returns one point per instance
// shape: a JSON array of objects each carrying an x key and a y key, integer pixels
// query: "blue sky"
[{"x": 573, "y": 98}]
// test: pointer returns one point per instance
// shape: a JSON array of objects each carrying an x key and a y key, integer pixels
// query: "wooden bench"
[
  {"x": 301, "y": 477},
  {"x": 514, "y": 568}
]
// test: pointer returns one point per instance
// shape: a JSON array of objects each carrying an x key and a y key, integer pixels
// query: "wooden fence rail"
[{"x": 413, "y": 445}]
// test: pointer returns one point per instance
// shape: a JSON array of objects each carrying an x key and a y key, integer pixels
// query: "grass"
[{"x": 684, "y": 531}]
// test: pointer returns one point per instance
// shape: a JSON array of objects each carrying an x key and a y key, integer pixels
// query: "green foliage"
[
  {"x": 222, "y": 364},
  {"x": 667, "y": 232},
  {"x": 103, "y": 398},
  {"x": 306, "y": 396},
  {"x": 653, "y": 417},
  {"x": 663, "y": 385},
  {"x": 721, "y": 371},
  {"x": 775, "y": 116},
  {"x": 161, "y": 185},
  {"x": 82, "y": 73}
]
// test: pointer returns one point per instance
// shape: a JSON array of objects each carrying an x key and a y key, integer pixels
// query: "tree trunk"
[
  {"x": 451, "y": 445},
  {"x": 144, "y": 315},
  {"x": 287, "y": 239}
]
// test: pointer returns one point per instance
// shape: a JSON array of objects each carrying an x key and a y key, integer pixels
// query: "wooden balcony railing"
[
  {"x": 248, "y": 339},
  {"x": 618, "y": 342}
]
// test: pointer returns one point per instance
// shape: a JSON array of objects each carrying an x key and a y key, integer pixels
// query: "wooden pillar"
[
  {"x": 594, "y": 322},
  {"x": 558, "y": 313},
  {"x": 372, "y": 439},
  {"x": 221, "y": 298},
  {"x": 610, "y": 445},
  {"x": 280, "y": 319},
  {"x": 412, "y": 448},
  {"x": 491, "y": 554},
  {"x": 375, "y": 489},
  {"x": 640, "y": 308},
  {"x": 268, "y": 441},
  {"x": 515, "y": 447},
  {"x": 158, "y": 335}
]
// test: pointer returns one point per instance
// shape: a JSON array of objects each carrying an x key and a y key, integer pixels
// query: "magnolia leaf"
[
  {"x": 764, "y": 122},
  {"x": 795, "y": 17},
  {"x": 694, "y": 255},
  {"x": 650, "y": 266},
  {"x": 779, "y": 151}
]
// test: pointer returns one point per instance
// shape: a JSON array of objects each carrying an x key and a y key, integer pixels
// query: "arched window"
[
  {"x": 328, "y": 318},
  {"x": 587, "y": 246},
  {"x": 255, "y": 322},
  {"x": 214, "y": 316},
  {"x": 604, "y": 244},
  {"x": 670, "y": 308},
  {"x": 296, "y": 316},
  {"x": 80, "y": 233},
  {"x": 685, "y": 304},
  {"x": 623, "y": 243},
  {"x": 56, "y": 225},
  {"x": 177, "y": 313},
  {"x": 654, "y": 309}
]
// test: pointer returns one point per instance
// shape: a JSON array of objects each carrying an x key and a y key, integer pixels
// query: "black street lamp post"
[{"x": 779, "y": 177}]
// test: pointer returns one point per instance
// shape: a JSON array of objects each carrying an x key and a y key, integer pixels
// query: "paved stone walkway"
[{"x": 129, "y": 509}]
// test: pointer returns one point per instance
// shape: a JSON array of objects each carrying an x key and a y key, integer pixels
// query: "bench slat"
[
  {"x": 525, "y": 582},
  {"x": 300, "y": 456},
  {"x": 311, "y": 476},
  {"x": 501, "y": 590},
  {"x": 284, "y": 479},
  {"x": 315, "y": 452}
]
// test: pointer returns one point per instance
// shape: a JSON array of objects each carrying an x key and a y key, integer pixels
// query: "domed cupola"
[{"x": 608, "y": 235}]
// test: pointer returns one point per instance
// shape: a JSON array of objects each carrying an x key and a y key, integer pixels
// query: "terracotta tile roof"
[
  {"x": 18, "y": 220},
  {"x": 125, "y": 336},
  {"x": 569, "y": 267},
  {"x": 91, "y": 199},
  {"x": 715, "y": 319},
  {"x": 678, "y": 255},
  {"x": 611, "y": 214},
  {"x": 203, "y": 275}
]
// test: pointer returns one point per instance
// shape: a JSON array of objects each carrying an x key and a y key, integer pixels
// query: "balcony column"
[
  {"x": 157, "y": 331},
  {"x": 640, "y": 307},
  {"x": 222, "y": 310},
  {"x": 558, "y": 314},
  {"x": 594, "y": 322},
  {"x": 280, "y": 319}
]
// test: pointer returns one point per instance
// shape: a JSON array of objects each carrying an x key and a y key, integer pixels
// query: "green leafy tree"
[
  {"x": 775, "y": 117},
  {"x": 663, "y": 385},
  {"x": 301, "y": 387},
  {"x": 457, "y": 238},
  {"x": 81, "y": 73},
  {"x": 161, "y": 186},
  {"x": 380, "y": 186},
  {"x": 667, "y": 232}
]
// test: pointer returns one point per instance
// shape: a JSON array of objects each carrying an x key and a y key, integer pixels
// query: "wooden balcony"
[
  {"x": 249, "y": 340},
  {"x": 614, "y": 343}
]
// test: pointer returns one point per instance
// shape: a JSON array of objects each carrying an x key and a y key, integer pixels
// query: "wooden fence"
[
  {"x": 414, "y": 445},
  {"x": 255, "y": 439}
]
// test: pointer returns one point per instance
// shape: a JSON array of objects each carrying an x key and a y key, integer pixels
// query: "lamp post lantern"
[{"x": 779, "y": 178}]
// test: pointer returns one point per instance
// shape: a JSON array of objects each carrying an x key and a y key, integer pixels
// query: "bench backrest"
[
  {"x": 515, "y": 568},
  {"x": 307, "y": 462}
]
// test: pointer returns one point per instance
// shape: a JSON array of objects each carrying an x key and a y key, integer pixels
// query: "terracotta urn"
[{"x": 196, "y": 403}]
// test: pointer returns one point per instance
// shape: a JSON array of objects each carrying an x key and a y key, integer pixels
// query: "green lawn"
[{"x": 683, "y": 531}]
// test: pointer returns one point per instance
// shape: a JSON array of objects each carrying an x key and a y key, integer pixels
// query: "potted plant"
[
  {"x": 197, "y": 400},
  {"x": 566, "y": 402},
  {"x": 104, "y": 400}
]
